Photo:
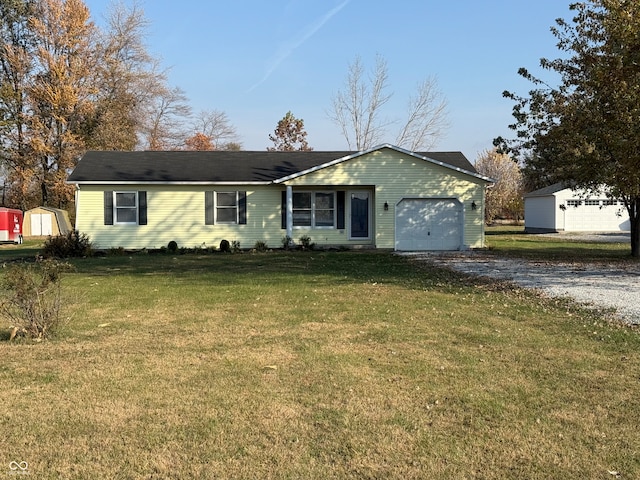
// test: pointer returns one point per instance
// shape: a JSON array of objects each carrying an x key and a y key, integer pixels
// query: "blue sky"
[{"x": 256, "y": 59}]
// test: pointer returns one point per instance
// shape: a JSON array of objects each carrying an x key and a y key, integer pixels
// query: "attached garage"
[
  {"x": 46, "y": 221},
  {"x": 385, "y": 197},
  {"x": 429, "y": 224}
]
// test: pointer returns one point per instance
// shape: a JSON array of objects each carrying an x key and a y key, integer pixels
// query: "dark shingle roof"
[
  {"x": 545, "y": 191},
  {"x": 214, "y": 166}
]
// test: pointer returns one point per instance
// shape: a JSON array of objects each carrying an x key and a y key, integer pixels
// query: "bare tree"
[
  {"x": 127, "y": 77},
  {"x": 166, "y": 116},
  {"x": 216, "y": 125},
  {"x": 357, "y": 110},
  {"x": 426, "y": 118},
  {"x": 504, "y": 199}
]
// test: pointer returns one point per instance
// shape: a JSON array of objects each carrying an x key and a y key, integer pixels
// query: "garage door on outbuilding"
[
  {"x": 558, "y": 208},
  {"x": 46, "y": 221},
  {"x": 429, "y": 224}
]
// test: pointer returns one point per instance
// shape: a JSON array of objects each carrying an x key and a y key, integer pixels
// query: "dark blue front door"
[{"x": 360, "y": 215}]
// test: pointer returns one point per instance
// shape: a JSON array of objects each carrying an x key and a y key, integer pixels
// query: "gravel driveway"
[{"x": 595, "y": 284}]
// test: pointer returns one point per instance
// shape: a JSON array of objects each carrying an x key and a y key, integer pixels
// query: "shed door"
[
  {"x": 429, "y": 224},
  {"x": 41, "y": 224}
]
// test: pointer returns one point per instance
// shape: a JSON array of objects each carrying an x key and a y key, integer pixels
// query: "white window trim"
[
  {"x": 115, "y": 207},
  {"x": 215, "y": 207},
  {"x": 313, "y": 210}
]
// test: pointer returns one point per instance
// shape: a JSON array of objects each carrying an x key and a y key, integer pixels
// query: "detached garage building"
[
  {"x": 46, "y": 221},
  {"x": 560, "y": 209}
]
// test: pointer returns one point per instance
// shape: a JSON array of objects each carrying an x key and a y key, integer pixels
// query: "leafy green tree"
[
  {"x": 587, "y": 129},
  {"x": 289, "y": 135}
]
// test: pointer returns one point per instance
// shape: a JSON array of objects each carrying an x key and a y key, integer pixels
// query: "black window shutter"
[
  {"x": 209, "y": 217},
  {"x": 142, "y": 208},
  {"x": 283, "y": 210},
  {"x": 341, "y": 201},
  {"x": 242, "y": 208},
  {"x": 108, "y": 208}
]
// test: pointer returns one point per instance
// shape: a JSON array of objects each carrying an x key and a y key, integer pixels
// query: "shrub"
[
  {"x": 225, "y": 246},
  {"x": 73, "y": 244},
  {"x": 287, "y": 242},
  {"x": 172, "y": 246},
  {"x": 305, "y": 243},
  {"x": 31, "y": 297},
  {"x": 117, "y": 251},
  {"x": 260, "y": 246},
  {"x": 235, "y": 246}
]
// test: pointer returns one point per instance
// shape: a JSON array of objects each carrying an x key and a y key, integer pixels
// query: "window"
[
  {"x": 225, "y": 207},
  {"x": 125, "y": 208},
  {"x": 314, "y": 209},
  {"x": 574, "y": 203},
  {"x": 592, "y": 203}
]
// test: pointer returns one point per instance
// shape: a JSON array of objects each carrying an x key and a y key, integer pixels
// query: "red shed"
[{"x": 10, "y": 225}]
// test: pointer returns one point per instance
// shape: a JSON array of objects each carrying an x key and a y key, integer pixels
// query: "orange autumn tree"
[
  {"x": 59, "y": 94},
  {"x": 289, "y": 135},
  {"x": 199, "y": 142}
]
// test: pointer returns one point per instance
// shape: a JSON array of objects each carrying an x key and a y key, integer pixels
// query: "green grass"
[
  {"x": 10, "y": 251},
  {"x": 317, "y": 365},
  {"x": 514, "y": 242}
]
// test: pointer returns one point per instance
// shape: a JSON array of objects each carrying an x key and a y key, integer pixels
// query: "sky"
[{"x": 256, "y": 60}]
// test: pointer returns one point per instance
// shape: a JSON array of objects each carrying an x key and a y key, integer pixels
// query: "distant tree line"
[{"x": 67, "y": 86}]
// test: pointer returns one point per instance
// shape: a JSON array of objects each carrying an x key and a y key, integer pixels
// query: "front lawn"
[
  {"x": 316, "y": 365},
  {"x": 512, "y": 241}
]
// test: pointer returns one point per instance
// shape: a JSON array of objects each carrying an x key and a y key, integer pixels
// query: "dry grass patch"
[{"x": 317, "y": 365}]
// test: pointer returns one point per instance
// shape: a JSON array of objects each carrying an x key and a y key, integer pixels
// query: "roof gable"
[
  {"x": 220, "y": 167},
  {"x": 452, "y": 160}
]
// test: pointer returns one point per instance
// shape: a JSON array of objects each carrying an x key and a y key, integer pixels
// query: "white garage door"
[
  {"x": 41, "y": 224},
  {"x": 429, "y": 224}
]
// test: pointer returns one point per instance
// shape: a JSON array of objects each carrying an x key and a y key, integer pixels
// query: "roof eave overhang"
[
  {"x": 380, "y": 147},
  {"x": 134, "y": 182}
]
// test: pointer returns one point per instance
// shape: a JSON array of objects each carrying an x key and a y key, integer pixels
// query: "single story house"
[
  {"x": 385, "y": 197},
  {"x": 45, "y": 221},
  {"x": 558, "y": 208}
]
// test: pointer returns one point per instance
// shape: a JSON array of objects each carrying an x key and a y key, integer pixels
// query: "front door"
[{"x": 359, "y": 214}]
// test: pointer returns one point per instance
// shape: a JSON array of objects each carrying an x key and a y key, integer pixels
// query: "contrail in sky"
[{"x": 287, "y": 49}]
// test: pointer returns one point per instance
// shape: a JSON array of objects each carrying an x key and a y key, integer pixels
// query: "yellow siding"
[
  {"x": 177, "y": 213},
  {"x": 396, "y": 176}
]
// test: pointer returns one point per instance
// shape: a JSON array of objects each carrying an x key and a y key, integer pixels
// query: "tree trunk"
[
  {"x": 45, "y": 195},
  {"x": 634, "y": 220},
  {"x": 635, "y": 237}
]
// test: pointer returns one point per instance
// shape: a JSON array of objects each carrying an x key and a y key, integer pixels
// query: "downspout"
[
  {"x": 290, "y": 212},
  {"x": 77, "y": 207}
]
